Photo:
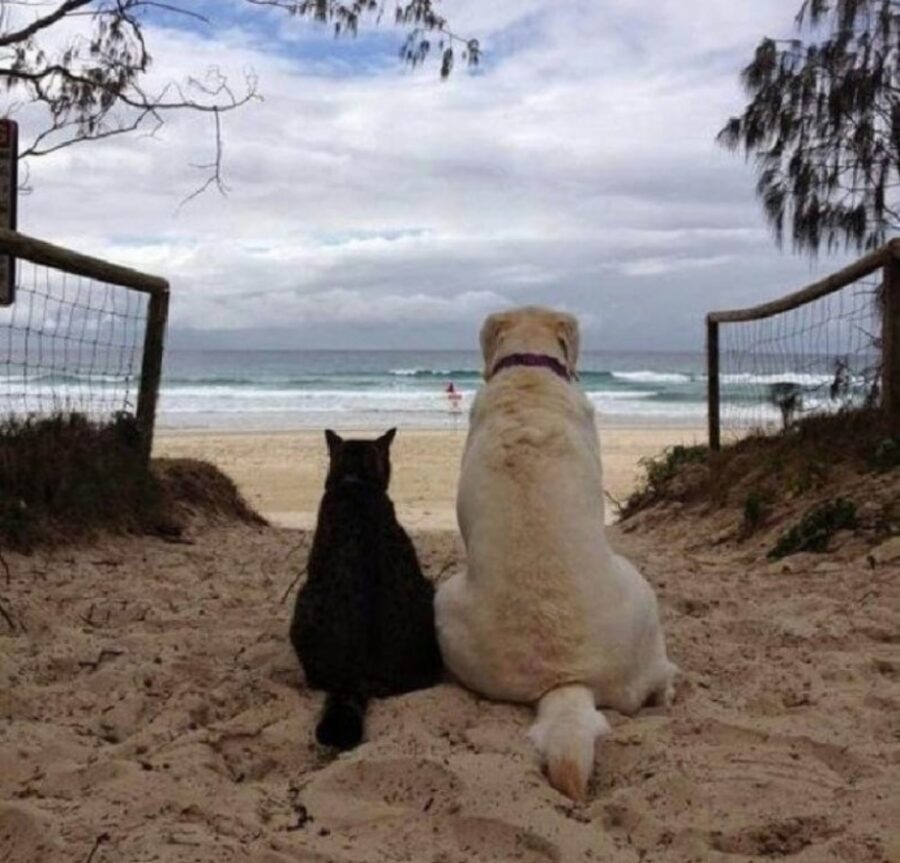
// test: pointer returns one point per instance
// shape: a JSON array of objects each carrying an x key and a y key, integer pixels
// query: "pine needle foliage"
[{"x": 823, "y": 125}]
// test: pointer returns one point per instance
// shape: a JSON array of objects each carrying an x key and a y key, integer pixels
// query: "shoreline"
[
  {"x": 622, "y": 423},
  {"x": 281, "y": 473}
]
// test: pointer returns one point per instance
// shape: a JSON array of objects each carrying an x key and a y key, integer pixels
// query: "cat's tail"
[
  {"x": 567, "y": 725},
  {"x": 341, "y": 723}
]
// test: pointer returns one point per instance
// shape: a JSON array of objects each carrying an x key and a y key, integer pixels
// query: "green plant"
[
  {"x": 816, "y": 528},
  {"x": 661, "y": 470},
  {"x": 819, "y": 452},
  {"x": 887, "y": 454},
  {"x": 757, "y": 506},
  {"x": 809, "y": 474}
]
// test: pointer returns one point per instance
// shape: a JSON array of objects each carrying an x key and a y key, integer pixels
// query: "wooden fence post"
[
  {"x": 890, "y": 335},
  {"x": 151, "y": 367},
  {"x": 712, "y": 376}
]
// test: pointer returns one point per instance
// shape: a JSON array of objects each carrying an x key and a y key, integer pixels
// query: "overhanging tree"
[
  {"x": 426, "y": 29},
  {"x": 79, "y": 70},
  {"x": 823, "y": 125}
]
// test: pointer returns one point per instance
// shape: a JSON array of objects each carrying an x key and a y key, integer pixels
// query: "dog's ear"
[
  {"x": 490, "y": 334},
  {"x": 569, "y": 340}
]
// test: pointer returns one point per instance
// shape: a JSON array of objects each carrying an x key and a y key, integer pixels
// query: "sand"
[
  {"x": 282, "y": 473},
  {"x": 151, "y": 710}
]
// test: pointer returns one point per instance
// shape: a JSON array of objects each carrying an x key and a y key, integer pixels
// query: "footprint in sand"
[
  {"x": 774, "y": 838},
  {"x": 404, "y": 804},
  {"x": 25, "y": 835},
  {"x": 489, "y": 839},
  {"x": 782, "y": 754},
  {"x": 401, "y": 784}
]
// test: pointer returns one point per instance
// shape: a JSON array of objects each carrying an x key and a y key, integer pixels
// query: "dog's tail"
[
  {"x": 567, "y": 725},
  {"x": 341, "y": 724}
]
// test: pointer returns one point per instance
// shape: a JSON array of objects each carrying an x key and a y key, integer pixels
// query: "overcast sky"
[{"x": 374, "y": 206}]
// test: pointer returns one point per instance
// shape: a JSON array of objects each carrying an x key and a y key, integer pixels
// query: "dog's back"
[{"x": 531, "y": 513}]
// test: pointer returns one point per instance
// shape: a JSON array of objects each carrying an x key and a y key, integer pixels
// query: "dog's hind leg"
[{"x": 451, "y": 618}]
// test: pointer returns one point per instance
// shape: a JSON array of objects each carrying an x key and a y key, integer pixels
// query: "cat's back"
[
  {"x": 347, "y": 527},
  {"x": 408, "y": 648}
]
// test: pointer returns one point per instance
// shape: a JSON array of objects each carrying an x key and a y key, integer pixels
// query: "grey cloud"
[{"x": 389, "y": 208}]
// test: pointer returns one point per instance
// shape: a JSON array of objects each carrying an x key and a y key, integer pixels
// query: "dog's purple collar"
[{"x": 535, "y": 361}]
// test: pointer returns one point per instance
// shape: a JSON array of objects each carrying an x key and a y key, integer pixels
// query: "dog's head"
[{"x": 530, "y": 330}]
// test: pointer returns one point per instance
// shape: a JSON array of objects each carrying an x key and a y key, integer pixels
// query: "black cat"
[{"x": 364, "y": 621}]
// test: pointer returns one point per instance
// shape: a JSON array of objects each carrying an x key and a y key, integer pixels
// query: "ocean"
[
  {"x": 270, "y": 390},
  {"x": 375, "y": 389},
  {"x": 263, "y": 390}
]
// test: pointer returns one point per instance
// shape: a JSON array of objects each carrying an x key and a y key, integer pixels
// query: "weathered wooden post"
[
  {"x": 151, "y": 367},
  {"x": 887, "y": 258},
  {"x": 890, "y": 334},
  {"x": 39, "y": 252},
  {"x": 712, "y": 375},
  {"x": 9, "y": 196}
]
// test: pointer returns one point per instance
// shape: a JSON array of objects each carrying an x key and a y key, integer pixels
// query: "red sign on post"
[{"x": 9, "y": 190}]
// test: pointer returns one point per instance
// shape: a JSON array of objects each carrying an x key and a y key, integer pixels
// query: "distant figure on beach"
[
  {"x": 363, "y": 623},
  {"x": 453, "y": 397}
]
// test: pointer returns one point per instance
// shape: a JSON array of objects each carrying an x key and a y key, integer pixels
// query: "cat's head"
[{"x": 360, "y": 463}]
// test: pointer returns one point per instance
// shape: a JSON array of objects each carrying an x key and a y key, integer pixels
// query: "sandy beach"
[
  {"x": 282, "y": 473},
  {"x": 151, "y": 709}
]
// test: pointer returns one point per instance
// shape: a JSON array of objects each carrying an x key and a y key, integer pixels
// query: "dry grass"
[
  {"x": 65, "y": 478},
  {"x": 785, "y": 481},
  {"x": 197, "y": 488}
]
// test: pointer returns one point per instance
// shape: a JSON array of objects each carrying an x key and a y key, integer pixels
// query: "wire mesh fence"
[
  {"x": 70, "y": 343},
  {"x": 82, "y": 336},
  {"x": 826, "y": 348},
  {"x": 818, "y": 358}
]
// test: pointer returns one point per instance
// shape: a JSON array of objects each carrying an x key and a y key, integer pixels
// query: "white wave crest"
[
  {"x": 802, "y": 379},
  {"x": 647, "y": 377}
]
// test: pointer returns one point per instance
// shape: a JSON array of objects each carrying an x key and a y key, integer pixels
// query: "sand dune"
[{"x": 152, "y": 710}]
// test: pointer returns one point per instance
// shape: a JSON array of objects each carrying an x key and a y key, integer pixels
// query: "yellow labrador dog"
[{"x": 547, "y": 613}]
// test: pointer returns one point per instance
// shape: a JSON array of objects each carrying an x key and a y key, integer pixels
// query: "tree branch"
[
  {"x": 57, "y": 15},
  {"x": 91, "y": 87}
]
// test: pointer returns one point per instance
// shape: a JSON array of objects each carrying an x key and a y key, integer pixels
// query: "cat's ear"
[
  {"x": 334, "y": 440},
  {"x": 387, "y": 439}
]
